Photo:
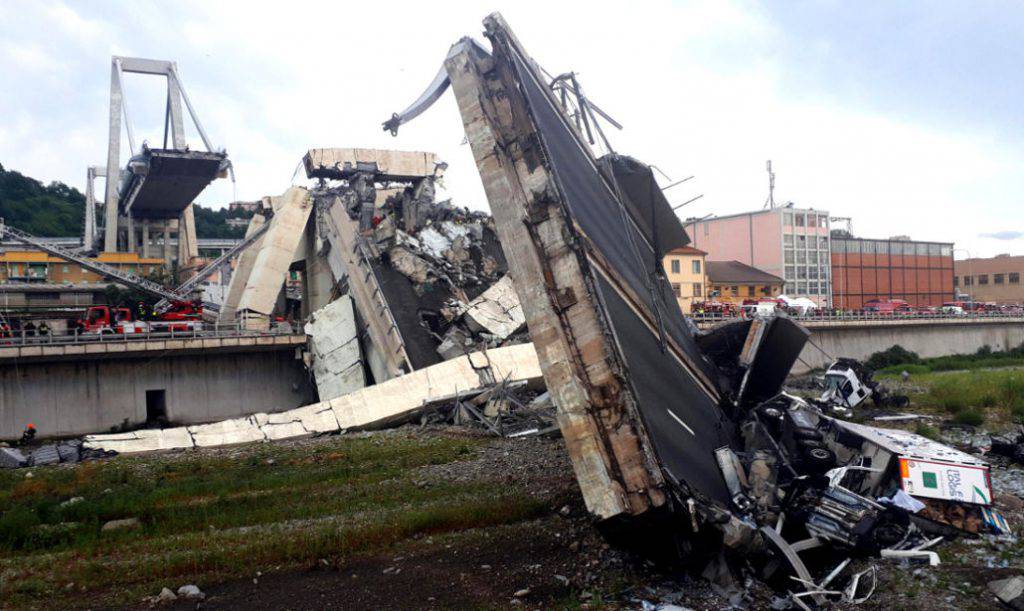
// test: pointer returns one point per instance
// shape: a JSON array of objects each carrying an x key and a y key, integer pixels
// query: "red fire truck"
[{"x": 180, "y": 317}]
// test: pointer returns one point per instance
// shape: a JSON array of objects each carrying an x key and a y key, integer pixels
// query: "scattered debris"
[
  {"x": 122, "y": 524},
  {"x": 1009, "y": 591},
  {"x": 191, "y": 591},
  {"x": 166, "y": 596}
]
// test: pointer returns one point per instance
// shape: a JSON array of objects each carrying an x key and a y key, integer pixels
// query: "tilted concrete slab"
[
  {"x": 340, "y": 163},
  {"x": 240, "y": 277},
  {"x": 276, "y": 251},
  {"x": 384, "y": 404}
]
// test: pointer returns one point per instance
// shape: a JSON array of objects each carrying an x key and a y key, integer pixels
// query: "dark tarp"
[{"x": 645, "y": 202}]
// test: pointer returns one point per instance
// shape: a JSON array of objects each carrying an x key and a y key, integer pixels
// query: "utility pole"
[{"x": 771, "y": 187}]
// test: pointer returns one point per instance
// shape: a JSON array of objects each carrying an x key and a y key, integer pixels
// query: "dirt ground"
[{"x": 560, "y": 561}]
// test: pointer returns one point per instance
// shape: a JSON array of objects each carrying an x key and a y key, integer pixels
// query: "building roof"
[
  {"x": 686, "y": 250},
  {"x": 734, "y": 272}
]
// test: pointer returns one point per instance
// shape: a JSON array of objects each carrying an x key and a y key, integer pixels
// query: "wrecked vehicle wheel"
[{"x": 819, "y": 459}]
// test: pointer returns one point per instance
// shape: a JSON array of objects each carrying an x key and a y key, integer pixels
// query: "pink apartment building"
[{"x": 791, "y": 243}]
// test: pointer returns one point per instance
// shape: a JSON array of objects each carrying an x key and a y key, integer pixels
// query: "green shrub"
[
  {"x": 911, "y": 369},
  {"x": 969, "y": 416},
  {"x": 895, "y": 355},
  {"x": 926, "y": 430}
]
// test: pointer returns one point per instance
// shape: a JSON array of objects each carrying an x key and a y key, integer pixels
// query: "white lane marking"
[{"x": 681, "y": 423}]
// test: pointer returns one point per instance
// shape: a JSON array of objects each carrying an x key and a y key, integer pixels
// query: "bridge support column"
[
  {"x": 167, "y": 244},
  {"x": 145, "y": 239}
]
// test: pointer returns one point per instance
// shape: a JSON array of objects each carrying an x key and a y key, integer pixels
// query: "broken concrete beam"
[
  {"x": 334, "y": 343},
  {"x": 276, "y": 252},
  {"x": 389, "y": 403},
  {"x": 146, "y": 440},
  {"x": 598, "y": 421},
  {"x": 227, "y": 432},
  {"x": 342, "y": 163},
  {"x": 342, "y": 233}
]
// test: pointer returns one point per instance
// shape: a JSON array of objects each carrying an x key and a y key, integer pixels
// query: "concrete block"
[
  {"x": 334, "y": 343},
  {"x": 497, "y": 310},
  {"x": 11, "y": 458},
  {"x": 44, "y": 455}
]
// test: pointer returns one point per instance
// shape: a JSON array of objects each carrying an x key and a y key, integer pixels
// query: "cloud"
[
  {"x": 1003, "y": 235},
  {"x": 709, "y": 88}
]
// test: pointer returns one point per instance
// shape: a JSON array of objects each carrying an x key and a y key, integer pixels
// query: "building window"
[
  {"x": 956, "y": 280},
  {"x": 787, "y": 219},
  {"x": 946, "y": 251},
  {"x": 933, "y": 250},
  {"x": 788, "y": 256},
  {"x": 822, "y": 243},
  {"x": 823, "y": 221},
  {"x": 675, "y": 266},
  {"x": 801, "y": 272},
  {"x": 734, "y": 290},
  {"x": 1014, "y": 278},
  {"x": 64, "y": 269},
  {"x": 751, "y": 290},
  {"x": 801, "y": 241},
  {"x": 968, "y": 281},
  {"x": 800, "y": 219},
  {"x": 998, "y": 278},
  {"x": 812, "y": 272},
  {"x": 801, "y": 256},
  {"x": 812, "y": 220},
  {"x": 697, "y": 289},
  {"x": 790, "y": 272},
  {"x": 676, "y": 288},
  {"x": 787, "y": 240},
  {"x": 867, "y": 247},
  {"x": 983, "y": 279},
  {"x": 696, "y": 266}
]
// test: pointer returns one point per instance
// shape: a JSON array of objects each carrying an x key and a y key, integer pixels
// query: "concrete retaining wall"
[
  {"x": 940, "y": 338},
  {"x": 88, "y": 396}
]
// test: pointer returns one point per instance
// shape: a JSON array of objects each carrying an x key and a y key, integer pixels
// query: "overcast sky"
[{"x": 906, "y": 117}]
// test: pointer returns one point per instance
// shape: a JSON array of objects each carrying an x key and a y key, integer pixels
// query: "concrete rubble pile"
[
  {"x": 435, "y": 272},
  {"x": 68, "y": 451},
  {"x": 684, "y": 442}
]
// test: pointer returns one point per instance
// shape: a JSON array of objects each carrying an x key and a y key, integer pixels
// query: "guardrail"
[
  {"x": 867, "y": 316},
  {"x": 34, "y": 338}
]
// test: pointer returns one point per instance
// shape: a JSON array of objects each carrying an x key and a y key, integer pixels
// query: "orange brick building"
[{"x": 866, "y": 269}]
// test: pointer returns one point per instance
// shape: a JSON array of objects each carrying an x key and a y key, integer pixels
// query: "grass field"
[
  {"x": 209, "y": 517},
  {"x": 971, "y": 397}
]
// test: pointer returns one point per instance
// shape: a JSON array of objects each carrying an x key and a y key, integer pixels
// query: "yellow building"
[
  {"x": 685, "y": 270},
  {"x": 37, "y": 266},
  {"x": 734, "y": 282}
]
